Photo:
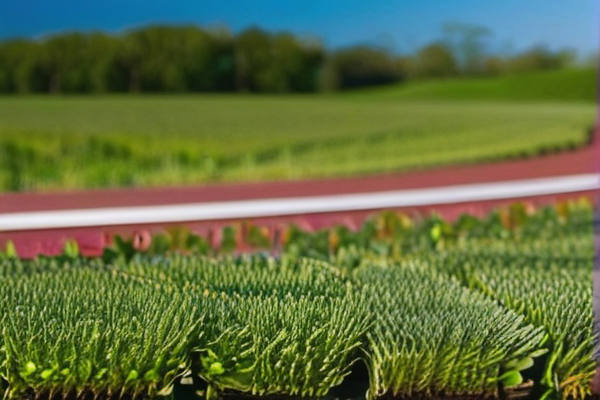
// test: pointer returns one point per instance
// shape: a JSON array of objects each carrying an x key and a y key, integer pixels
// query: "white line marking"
[{"x": 297, "y": 205}]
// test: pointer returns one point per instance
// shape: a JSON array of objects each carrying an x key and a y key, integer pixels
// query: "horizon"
[{"x": 400, "y": 28}]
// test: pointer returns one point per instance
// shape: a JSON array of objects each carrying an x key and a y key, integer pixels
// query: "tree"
[
  {"x": 541, "y": 58},
  {"x": 61, "y": 62},
  {"x": 467, "y": 42},
  {"x": 100, "y": 61},
  {"x": 298, "y": 61},
  {"x": 360, "y": 66},
  {"x": 254, "y": 63},
  {"x": 494, "y": 66},
  {"x": 155, "y": 59},
  {"x": 130, "y": 55},
  {"x": 206, "y": 58},
  {"x": 276, "y": 62},
  {"x": 434, "y": 61},
  {"x": 18, "y": 61}
]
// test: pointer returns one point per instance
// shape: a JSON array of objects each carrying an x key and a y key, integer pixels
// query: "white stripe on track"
[{"x": 297, "y": 205}]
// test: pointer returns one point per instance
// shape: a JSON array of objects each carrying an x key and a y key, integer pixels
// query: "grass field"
[
  {"x": 577, "y": 85},
  {"x": 51, "y": 143}
]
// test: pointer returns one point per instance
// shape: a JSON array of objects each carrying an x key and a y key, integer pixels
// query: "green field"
[
  {"x": 51, "y": 143},
  {"x": 576, "y": 85},
  {"x": 494, "y": 308}
]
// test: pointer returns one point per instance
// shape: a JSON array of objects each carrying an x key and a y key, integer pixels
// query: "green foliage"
[
  {"x": 546, "y": 298},
  {"x": 71, "y": 249},
  {"x": 102, "y": 333},
  {"x": 163, "y": 58},
  {"x": 551, "y": 232},
  {"x": 276, "y": 63},
  {"x": 539, "y": 58},
  {"x": 434, "y": 61},
  {"x": 360, "y": 66},
  {"x": 548, "y": 233},
  {"x": 11, "y": 250},
  {"x": 246, "y": 276},
  {"x": 549, "y": 283},
  {"x": 278, "y": 327},
  {"x": 157, "y": 141},
  {"x": 490, "y": 307},
  {"x": 17, "y": 267},
  {"x": 433, "y": 337},
  {"x": 283, "y": 345}
]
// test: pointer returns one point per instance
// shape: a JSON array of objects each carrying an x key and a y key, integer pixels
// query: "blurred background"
[{"x": 148, "y": 94}]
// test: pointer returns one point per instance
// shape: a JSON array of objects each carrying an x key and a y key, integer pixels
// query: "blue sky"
[{"x": 401, "y": 24}]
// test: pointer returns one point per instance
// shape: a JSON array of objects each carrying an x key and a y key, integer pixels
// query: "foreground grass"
[
  {"x": 104, "y": 333},
  {"x": 93, "y": 142},
  {"x": 492, "y": 308}
]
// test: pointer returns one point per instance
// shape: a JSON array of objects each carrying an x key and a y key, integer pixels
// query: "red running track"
[
  {"x": 584, "y": 160},
  {"x": 91, "y": 240}
]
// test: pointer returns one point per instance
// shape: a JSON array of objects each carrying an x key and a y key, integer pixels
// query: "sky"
[{"x": 401, "y": 25}]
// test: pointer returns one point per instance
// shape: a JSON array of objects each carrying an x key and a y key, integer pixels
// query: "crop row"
[{"x": 264, "y": 327}]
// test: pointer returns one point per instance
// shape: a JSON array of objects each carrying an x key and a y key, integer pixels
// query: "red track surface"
[
  {"x": 566, "y": 163},
  {"x": 91, "y": 240}
]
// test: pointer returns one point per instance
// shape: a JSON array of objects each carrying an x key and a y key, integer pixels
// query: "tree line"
[{"x": 195, "y": 59}]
